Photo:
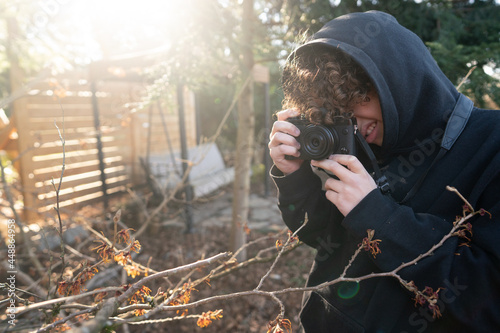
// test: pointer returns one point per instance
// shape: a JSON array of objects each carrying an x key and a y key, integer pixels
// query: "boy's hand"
[
  {"x": 282, "y": 142},
  {"x": 353, "y": 184}
]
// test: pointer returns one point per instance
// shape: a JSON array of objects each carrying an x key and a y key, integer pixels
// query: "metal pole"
[
  {"x": 188, "y": 190},
  {"x": 100, "y": 153}
]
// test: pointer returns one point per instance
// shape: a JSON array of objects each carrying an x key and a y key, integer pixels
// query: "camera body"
[{"x": 318, "y": 142}]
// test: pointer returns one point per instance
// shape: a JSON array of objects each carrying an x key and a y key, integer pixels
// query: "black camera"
[{"x": 318, "y": 142}]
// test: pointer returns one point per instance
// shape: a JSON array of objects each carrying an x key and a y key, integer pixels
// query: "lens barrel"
[{"x": 318, "y": 141}]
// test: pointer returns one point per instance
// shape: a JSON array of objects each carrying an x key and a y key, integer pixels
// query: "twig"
[
  {"x": 255, "y": 260},
  {"x": 453, "y": 189},
  {"x": 26, "y": 279},
  {"x": 165, "y": 201},
  {"x": 49, "y": 272},
  {"x": 107, "y": 310},
  {"x": 155, "y": 321},
  {"x": 66, "y": 299},
  {"x": 110, "y": 306},
  {"x": 163, "y": 307},
  {"x": 57, "y": 190},
  {"x": 354, "y": 256},
  {"x": 290, "y": 238},
  {"x": 48, "y": 328},
  {"x": 230, "y": 108},
  {"x": 200, "y": 263},
  {"x": 466, "y": 77}
]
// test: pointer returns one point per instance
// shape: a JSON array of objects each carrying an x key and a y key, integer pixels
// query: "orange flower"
[
  {"x": 140, "y": 294},
  {"x": 132, "y": 271},
  {"x": 204, "y": 320},
  {"x": 182, "y": 298},
  {"x": 122, "y": 258},
  {"x": 207, "y": 317},
  {"x": 139, "y": 312},
  {"x": 62, "y": 288}
]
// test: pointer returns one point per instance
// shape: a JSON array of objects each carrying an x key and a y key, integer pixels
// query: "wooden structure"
[{"x": 106, "y": 131}]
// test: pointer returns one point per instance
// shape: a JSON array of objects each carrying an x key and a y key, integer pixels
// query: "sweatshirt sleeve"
[
  {"x": 300, "y": 193},
  {"x": 468, "y": 271}
]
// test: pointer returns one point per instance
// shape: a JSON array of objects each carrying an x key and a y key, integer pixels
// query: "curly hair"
[{"x": 324, "y": 80}]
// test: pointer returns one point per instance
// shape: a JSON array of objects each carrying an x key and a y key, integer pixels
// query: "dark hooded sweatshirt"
[{"x": 416, "y": 101}]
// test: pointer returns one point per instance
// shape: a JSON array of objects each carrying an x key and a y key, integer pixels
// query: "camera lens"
[{"x": 318, "y": 141}]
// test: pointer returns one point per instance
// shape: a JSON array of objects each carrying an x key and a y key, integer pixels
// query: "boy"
[{"x": 426, "y": 136}]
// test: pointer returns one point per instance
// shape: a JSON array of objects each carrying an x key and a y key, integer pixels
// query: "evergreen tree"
[{"x": 460, "y": 34}]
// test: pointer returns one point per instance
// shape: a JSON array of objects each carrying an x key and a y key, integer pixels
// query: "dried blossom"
[
  {"x": 292, "y": 238},
  {"x": 464, "y": 231},
  {"x": 62, "y": 288},
  {"x": 436, "y": 313},
  {"x": 104, "y": 250},
  {"x": 427, "y": 297},
  {"x": 466, "y": 209},
  {"x": 370, "y": 244},
  {"x": 99, "y": 297},
  {"x": 483, "y": 212},
  {"x": 87, "y": 273},
  {"x": 280, "y": 326},
  {"x": 123, "y": 235},
  {"x": 76, "y": 287},
  {"x": 419, "y": 299},
  {"x": 136, "y": 247}
]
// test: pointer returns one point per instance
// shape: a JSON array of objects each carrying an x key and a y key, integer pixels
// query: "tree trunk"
[{"x": 245, "y": 138}]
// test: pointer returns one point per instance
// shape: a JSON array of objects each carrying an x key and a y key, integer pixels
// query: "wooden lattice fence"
[{"x": 105, "y": 131}]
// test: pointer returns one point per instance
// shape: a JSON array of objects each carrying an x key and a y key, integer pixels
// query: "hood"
[{"x": 415, "y": 95}]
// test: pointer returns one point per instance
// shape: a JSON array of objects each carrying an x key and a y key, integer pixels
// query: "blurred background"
[{"x": 160, "y": 107}]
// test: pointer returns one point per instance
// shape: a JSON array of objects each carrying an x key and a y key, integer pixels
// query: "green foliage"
[
  {"x": 467, "y": 37},
  {"x": 460, "y": 34}
]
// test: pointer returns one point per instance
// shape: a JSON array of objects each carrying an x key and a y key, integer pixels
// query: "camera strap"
[
  {"x": 454, "y": 127},
  {"x": 380, "y": 178}
]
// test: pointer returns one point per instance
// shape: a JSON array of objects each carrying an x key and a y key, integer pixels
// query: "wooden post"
[
  {"x": 25, "y": 144},
  {"x": 20, "y": 115},
  {"x": 244, "y": 139},
  {"x": 267, "y": 125}
]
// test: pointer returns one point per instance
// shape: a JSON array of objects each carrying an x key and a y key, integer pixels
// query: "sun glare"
[{"x": 122, "y": 26}]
